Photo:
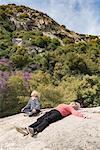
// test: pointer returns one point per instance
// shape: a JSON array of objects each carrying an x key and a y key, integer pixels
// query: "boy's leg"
[
  {"x": 34, "y": 113},
  {"x": 26, "y": 111}
]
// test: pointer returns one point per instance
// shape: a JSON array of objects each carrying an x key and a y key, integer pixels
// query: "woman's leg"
[
  {"x": 45, "y": 120},
  {"x": 39, "y": 120}
]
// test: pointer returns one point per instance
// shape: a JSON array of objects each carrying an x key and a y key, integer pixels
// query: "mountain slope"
[
  {"x": 21, "y": 17},
  {"x": 38, "y": 53}
]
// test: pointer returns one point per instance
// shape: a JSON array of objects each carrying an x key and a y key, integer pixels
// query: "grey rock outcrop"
[{"x": 70, "y": 133}]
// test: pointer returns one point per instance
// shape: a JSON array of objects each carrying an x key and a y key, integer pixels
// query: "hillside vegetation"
[{"x": 38, "y": 53}]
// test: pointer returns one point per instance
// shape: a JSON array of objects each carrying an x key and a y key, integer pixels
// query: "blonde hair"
[
  {"x": 35, "y": 94},
  {"x": 76, "y": 105}
]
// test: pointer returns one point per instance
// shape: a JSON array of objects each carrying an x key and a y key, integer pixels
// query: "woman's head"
[
  {"x": 35, "y": 94},
  {"x": 75, "y": 105}
]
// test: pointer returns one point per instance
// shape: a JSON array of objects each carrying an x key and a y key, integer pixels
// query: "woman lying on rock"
[
  {"x": 58, "y": 113},
  {"x": 33, "y": 106}
]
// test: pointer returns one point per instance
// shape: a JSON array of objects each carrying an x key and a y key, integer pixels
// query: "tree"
[
  {"x": 76, "y": 64},
  {"x": 55, "y": 41},
  {"x": 20, "y": 58},
  {"x": 88, "y": 91},
  {"x": 40, "y": 42}
]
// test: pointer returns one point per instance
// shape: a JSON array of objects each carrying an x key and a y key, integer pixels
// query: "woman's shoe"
[
  {"x": 31, "y": 131},
  {"x": 21, "y": 130}
]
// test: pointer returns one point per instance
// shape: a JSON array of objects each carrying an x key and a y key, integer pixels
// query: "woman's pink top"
[{"x": 66, "y": 110}]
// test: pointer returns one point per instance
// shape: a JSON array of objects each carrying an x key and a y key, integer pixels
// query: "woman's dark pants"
[{"x": 45, "y": 120}]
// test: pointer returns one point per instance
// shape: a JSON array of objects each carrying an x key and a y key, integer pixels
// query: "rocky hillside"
[
  {"x": 24, "y": 18},
  {"x": 38, "y": 53},
  {"x": 70, "y": 133}
]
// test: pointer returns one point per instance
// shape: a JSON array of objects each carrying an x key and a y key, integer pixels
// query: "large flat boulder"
[{"x": 70, "y": 133}]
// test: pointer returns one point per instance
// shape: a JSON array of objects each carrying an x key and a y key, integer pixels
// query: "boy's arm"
[
  {"x": 37, "y": 105},
  {"x": 27, "y": 106}
]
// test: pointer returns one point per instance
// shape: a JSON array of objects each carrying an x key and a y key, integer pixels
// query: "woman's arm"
[{"x": 76, "y": 113}]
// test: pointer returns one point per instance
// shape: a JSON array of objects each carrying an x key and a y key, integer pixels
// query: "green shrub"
[
  {"x": 24, "y": 15},
  {"x": 51, "y": 46},
  {"x": 20, "y": 58},
  {"x": 55, "y": 41},
  {"x": 51, "y": 96},
  {"x": 38, "y": 33},
  {"x": 19, "y": 9},
  {"x": 68, "y": 40},
  {"x": 88, "y": 91},
  {"x": 40, "y": 42}
]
